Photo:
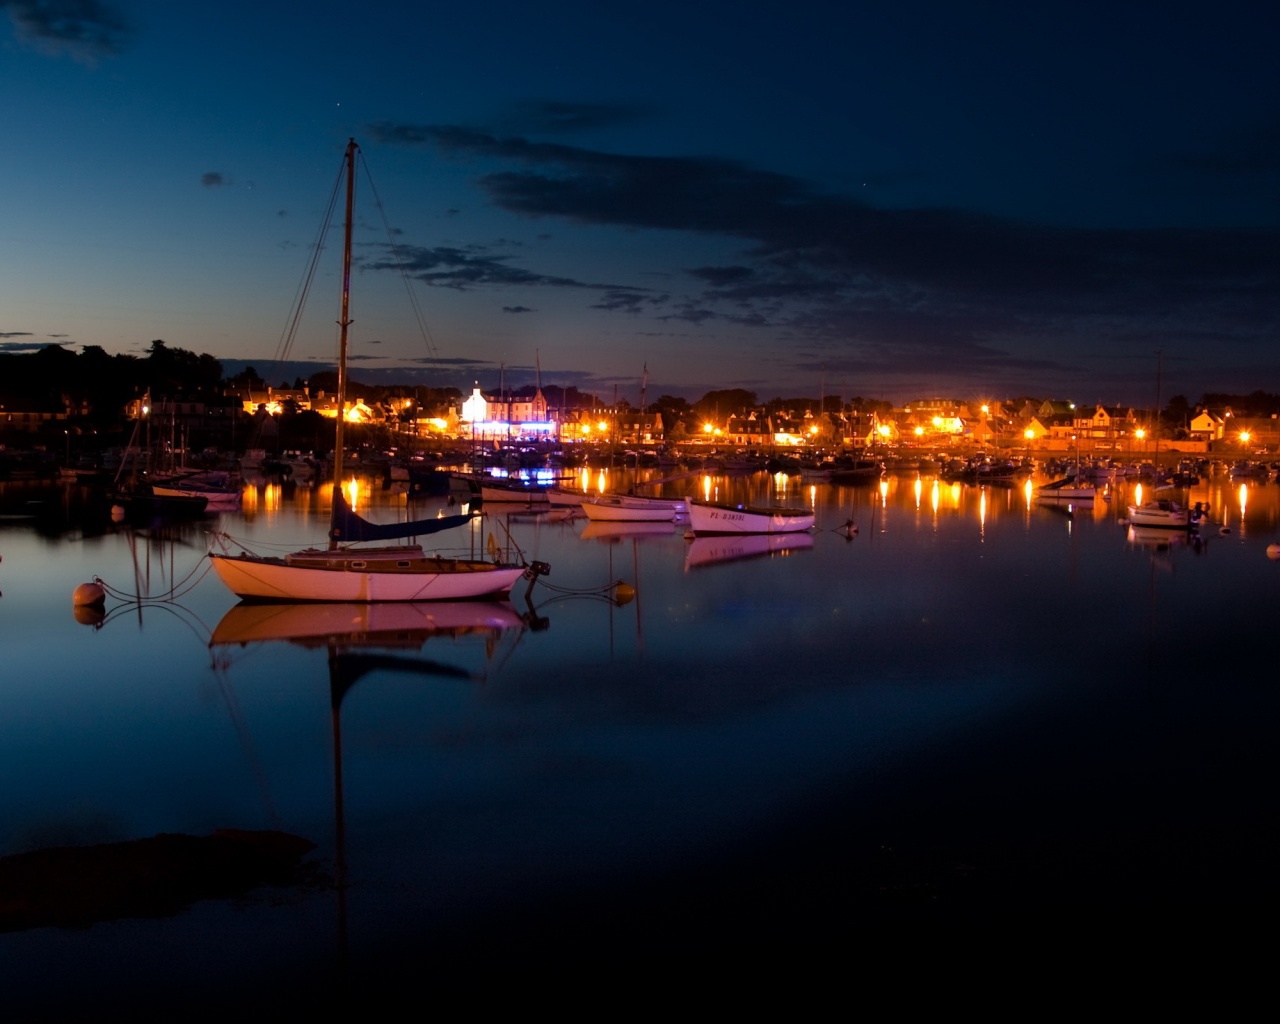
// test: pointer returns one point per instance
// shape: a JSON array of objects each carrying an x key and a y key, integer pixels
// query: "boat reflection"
[
  {"x": 363, "y": 639},
  {"x": 399, "y": 625},
  {"x": 612, "y": 531},
  {"x": 704, "y": 551},
  {"x": 1159, "y": 540}
]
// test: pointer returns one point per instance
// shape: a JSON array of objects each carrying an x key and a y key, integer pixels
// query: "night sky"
[{"x": 887, "y": 200}]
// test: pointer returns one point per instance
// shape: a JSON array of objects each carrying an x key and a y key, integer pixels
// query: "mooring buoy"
[{"x": 88, "y": 594}]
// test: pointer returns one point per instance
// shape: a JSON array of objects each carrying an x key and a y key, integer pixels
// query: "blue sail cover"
[{"x": 345, "y": 525}]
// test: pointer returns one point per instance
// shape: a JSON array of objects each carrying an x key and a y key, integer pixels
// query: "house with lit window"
[
  {"x": 1105, "y": 423},
  {"x": 274, "y": 400},
  {"x": 748, "y": 431},
  {"x": 1208, "y": 426},
  {"x": 505, "y": 415}
]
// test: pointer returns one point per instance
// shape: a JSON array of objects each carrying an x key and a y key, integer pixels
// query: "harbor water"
[{"x": 946, "y": 707}]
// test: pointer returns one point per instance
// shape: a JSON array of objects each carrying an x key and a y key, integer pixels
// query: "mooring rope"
[{"x": 179, "y": 589}]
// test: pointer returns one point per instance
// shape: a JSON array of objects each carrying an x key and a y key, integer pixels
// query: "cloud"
[
  {"x": 213, "y": 179},
  {"x": 83, "y": 29},
  {"x": 628, "y": 300},
  {"x": 516, "y": 309},
  {"x": 801, "y": 240},
  {"x": 462, "y": 269},
  {"x": 977, "y": 292},
  {"x": 25, "y": 347}
]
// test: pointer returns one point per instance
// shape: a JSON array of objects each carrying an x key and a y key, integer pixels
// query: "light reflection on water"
[{"x": 913, "y": 679}]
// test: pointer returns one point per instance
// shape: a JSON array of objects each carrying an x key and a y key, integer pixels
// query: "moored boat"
[
  {"x": 1167, "y": 514},
  {"x": 617, "y": 508},
  {"x": 1068, "y": 489},
  {"x": 513, "y": 491},
  {"x": 341, "y": 572},
  {"x": 707, "y": 517},
  {"x": 220, "y": 491}
]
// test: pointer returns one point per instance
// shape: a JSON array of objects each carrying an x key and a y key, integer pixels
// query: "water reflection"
[
  {"x": 364, "y": 640},
  {"x": 930, "y": 712},
  {"x": 705, "y": 551}
]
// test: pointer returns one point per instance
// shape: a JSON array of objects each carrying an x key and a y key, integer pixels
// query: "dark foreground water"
[{"x": 974, "y": 715}]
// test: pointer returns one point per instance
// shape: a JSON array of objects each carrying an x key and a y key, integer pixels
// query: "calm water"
[{"x": 972, "y": 707}]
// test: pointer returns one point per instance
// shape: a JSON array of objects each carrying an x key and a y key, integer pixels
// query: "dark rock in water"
[{"x": 75, "y": 886}]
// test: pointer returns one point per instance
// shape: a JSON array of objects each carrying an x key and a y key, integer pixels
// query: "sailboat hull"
[{"x": 348, "y": 577}]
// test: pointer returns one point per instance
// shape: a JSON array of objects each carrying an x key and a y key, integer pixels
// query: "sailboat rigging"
[{"x": 387, "y": 573}]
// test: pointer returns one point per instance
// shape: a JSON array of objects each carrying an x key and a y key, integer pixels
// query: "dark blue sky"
[{"x": 892, "y": 201}]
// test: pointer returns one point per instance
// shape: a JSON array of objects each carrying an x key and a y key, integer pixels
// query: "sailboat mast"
[
  {"x": 344, "y": 322},
  {"x": 1159, "y": 374}
]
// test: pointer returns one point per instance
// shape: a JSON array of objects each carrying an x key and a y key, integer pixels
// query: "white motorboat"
[{"x": 1167, "y": 514}]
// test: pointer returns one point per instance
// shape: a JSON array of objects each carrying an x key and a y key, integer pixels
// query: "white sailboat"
[{"x": 363, "y": 574}]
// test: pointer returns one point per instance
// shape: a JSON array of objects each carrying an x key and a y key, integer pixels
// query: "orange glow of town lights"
[
  {"x": 919, "y": 431},
  {"x": 1029, "y": 434},
  {"x": 1244, "y": 436},
  {"x": 884, "y": 492},
  {"x": 935, "y": 494},
  {"x": 1244, "y": 498},
  {"x": 352, "y": 491},
  {"x": 919, "y": 490}
]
